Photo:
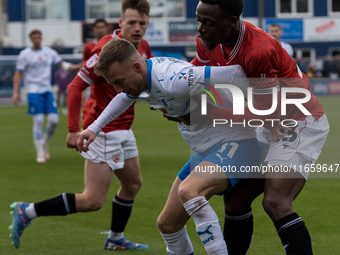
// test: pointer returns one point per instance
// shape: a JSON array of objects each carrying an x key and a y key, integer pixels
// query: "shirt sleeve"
[
  {"x": 115, "y": 108},
  {"x": 74, "y": 98},
  {"x": 21, "y": 62},
  {"x": 56, "y": 57}
]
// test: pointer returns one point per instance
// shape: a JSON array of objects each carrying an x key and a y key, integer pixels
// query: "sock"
[
  {"x": 52, "y": 121},
  {"x": 121, "y": 211},
  {"x": 38, "y": 122},
  {"x": 294, "y": 235},
  {"x": 30, "y": 211},
  {"x": 115, "y": 236},
  {"x": 178, "y": 243},
  {"x": 207, "y": 225},
  {"x": 238, "y": 231},
  {"x": 61, "y": 204}
]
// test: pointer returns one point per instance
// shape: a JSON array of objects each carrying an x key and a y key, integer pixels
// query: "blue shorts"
[
  {"x": 233, "y": 157},
  {"x": 41, "y": 103}
]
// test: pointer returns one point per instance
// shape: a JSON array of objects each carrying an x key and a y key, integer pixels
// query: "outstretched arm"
[{"x": 115, "y": 108}]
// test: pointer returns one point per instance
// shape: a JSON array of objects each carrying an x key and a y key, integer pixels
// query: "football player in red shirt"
[
  {"x": 224, "y": 39},
  {"x": 99, "y": 28},
  {"x": 113, "y": 152}
]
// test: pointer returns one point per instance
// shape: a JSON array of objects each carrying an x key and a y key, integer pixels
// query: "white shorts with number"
[
  {"x": 112, "y": 148},
  {"x": 298, "y": 149}
]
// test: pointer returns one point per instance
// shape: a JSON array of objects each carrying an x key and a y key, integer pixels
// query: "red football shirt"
[
  {"x": 101, "y": 92},
  {"x": 267, "y": 64},
  {"x": 88, "y": 48}
]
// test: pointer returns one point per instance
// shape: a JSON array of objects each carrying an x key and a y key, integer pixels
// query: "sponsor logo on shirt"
[
  {"x": 92, "y": 61},
  {"x": 190, "y": 77}
]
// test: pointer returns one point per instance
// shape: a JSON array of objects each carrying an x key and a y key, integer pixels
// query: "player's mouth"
[{"x": 136, "y": 37}]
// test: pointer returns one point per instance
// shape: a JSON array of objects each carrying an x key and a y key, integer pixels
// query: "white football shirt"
[
  {"x": 172, "y": 83},
  {"x": 37, "y": 68}
]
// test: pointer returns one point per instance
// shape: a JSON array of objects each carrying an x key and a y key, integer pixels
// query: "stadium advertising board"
[
  {"x": 157, "y": 33},
  {"x": 183, "y": 31},
  {"x": 321, "y": 29}
]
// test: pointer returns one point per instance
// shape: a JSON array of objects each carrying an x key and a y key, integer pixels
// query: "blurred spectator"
[
  {"x": 310, "y": 72},
  {"x": 337, "y": 63},
  {"x": 333, "y": 75},
  {"x": 301, "y": 64},
  {"x": 62, "y": 79},
  {"x": 327, "y": 66},
  {"x": 318, "y": 64},
  {"x": 275, "y": 31}
]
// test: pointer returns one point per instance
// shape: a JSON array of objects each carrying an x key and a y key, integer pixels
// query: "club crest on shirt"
[
  {"x": 92, "y": 61},
  {"x": 115, "y": 158}
]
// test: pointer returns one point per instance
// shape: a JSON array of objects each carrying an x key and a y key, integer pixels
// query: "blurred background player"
[
  {"x": 275, "y": 31},
  {"x": 34, "y": 66},
  {"x": 100, "y": 29},
  {"x": 114, "y": 151},
  {"x": 62, "y": 79}
]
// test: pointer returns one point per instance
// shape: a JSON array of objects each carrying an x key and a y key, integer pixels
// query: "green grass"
[{"x": 162, "y": 154}]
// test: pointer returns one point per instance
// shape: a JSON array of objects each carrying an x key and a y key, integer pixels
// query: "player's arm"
[
  {"x": 115, "y": 108},
  {"x": 18, "y": 75},
  {"x": 74, "y": 99},
  {"x": 67, "y": 66}
]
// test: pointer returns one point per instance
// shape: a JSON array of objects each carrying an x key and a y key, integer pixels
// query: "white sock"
[
  {"x": 52, "y": 121},
  {"x": 207, "y": 225},
  {"x": 38, "y": 121},
  {"x": 115, "y": 236},
  {"x": 178, "y": 243},
  {"x": 30, "y": 211}
]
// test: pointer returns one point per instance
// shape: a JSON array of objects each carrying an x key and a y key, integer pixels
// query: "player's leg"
[
  {"x": 280, "y": 191},
  {"x": 289, "y": 157},
  {"x": 130, "y": 182},
  {"x": 38, "y": 122},
  {"x": 121, "y": 154},
  {"x": 97, "y": 182},
  {"x": 52, "y": 121},
  {"x": 238, "y": 221},
  {"x": 194, "y": 193},
  {"x": 36, "y": 109},
  {"x": 171, "y": 223}
]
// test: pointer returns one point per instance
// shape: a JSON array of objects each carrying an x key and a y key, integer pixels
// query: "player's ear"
[
  {"x": 120, "y": 22},
  {"x": 137, "y": 67},
  {"x": 233, "y": 21}
]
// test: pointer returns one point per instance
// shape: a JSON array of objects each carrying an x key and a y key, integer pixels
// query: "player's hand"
[
  {"x": 87, "y": 135},
  {"x": 16, "y": 98},
  {"x": 71, "y": 140},
  {"x": 278, "y": 130}
]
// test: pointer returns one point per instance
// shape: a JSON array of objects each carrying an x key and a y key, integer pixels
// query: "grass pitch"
[{"x": 162, "y": 154}]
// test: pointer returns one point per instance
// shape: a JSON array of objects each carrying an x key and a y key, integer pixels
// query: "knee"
[
  {"x": 276, "y": 207},
  {"x": 166, "y": 226},
  {"x": 133, "y": 186},
  {"x": 185, "y": 193},
  {"x": 92, "y": 204},
  {"x": 52, "y": 119}
]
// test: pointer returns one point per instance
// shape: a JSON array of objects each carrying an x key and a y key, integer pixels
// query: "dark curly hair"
[{"x": 232, "y": 7}]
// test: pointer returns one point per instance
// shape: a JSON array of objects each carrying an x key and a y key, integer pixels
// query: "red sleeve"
[{"x": 74, "y": 97}]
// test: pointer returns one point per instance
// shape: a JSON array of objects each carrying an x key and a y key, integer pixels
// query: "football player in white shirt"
[
  {"x": 34, "y": 66},
  {"x": 167, "y": 84},
  {"x": 275, "y": 31}
]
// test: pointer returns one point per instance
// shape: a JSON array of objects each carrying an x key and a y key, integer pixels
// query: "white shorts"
[
  {"x": 298, "y": 148},
  {"x": 112, "y": 148}
]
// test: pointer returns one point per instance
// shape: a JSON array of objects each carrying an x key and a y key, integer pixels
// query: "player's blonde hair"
[
  {"x": 116, "y": 50},
  {"x": 142, "y": 6}
]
